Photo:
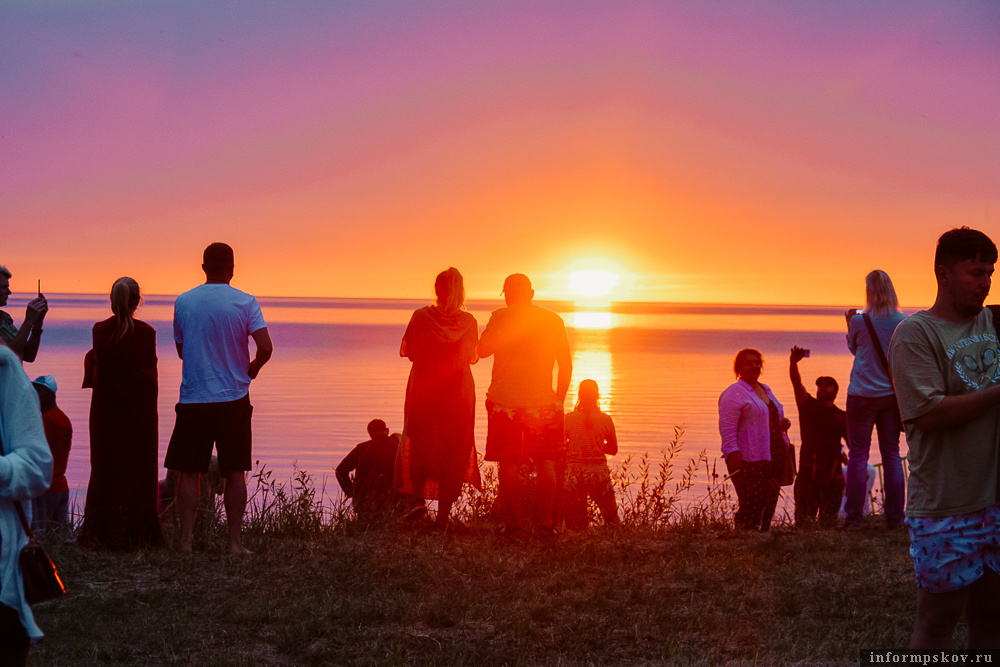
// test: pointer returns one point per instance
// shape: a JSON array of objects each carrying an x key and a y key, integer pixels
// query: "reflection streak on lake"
[{"x": 336, "y": 366}]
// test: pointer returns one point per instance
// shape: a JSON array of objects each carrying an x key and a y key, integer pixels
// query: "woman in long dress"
[
  {"x": 437, "y": 451},
  {"x": 121, "y": 497}
]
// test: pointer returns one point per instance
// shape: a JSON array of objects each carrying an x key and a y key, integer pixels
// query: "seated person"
[
  {"x": 371, "y": 488},
  {"x": 590, "y": 437}
]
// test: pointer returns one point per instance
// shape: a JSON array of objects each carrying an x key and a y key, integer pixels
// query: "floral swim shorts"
[
  {"x": 951, "y": 552},
  {"x": 518, "y": 434},
  {"x": 592, "y": 479}
]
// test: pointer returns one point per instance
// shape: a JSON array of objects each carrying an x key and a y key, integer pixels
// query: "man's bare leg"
[
  {"x": 546, "y": 470},
  {"x": 510, "y": 486},
  {"x": 235, "y": 500},
  {"x": 982, "y": 611},
  {"x": 187, "y": 506},
  {"x": 937, "y": 615}
]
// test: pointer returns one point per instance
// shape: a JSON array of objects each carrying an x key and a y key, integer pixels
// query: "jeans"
[{"x": 882, "y": 413}]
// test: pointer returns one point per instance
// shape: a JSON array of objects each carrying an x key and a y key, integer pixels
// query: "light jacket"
[
  {"x": 25, "y": 473},
  {"x": 744, "y": 422}
]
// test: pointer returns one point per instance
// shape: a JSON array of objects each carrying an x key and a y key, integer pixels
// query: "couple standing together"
[{"x": 437, "y": 451}]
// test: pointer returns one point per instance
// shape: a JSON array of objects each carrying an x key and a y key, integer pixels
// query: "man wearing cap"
[
  {"x": 819, "y": 485},
  {"x": 525, "y": 415},
  {"x": 49, "y": 509},
  {"x": 212, "y": 324}
]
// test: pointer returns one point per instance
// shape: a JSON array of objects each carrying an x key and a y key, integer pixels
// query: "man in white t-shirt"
[{"x": 212, "y": 323}]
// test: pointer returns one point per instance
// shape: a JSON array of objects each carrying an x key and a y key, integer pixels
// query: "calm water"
[{"x": 336, "y": 366}]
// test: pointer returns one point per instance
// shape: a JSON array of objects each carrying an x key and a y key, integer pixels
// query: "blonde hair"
[
  {"x": 125, "y": 298},
  {"x": 880, "y": 296},
  {"x": 450, "y": 290}
]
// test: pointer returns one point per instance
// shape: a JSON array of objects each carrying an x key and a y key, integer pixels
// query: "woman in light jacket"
[
  {"x": 25, "y": 473},
  {"x": 753, "y": 425},
  {"x": 871, "y": 403}
]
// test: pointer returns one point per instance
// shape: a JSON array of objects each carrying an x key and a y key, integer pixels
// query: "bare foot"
[{"x": 239, "y": 550}]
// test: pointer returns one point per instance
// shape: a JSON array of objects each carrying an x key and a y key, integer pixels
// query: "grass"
[{"x": 675, "y": 586}]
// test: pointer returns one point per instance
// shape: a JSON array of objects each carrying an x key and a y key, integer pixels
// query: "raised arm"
[
  {"x": 801, "y": 395},
  {"x": 25, "y": 343}
]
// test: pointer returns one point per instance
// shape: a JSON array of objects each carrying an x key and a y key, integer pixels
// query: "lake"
[{"x": 336, "y": 366}]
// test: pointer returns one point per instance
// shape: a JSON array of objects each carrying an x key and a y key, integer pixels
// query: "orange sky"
[{"x": 765, "y": 154}]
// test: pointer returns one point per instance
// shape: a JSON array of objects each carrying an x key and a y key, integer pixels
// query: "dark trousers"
[
  {"x": 820, "y": 493},
  {"x": 757, "y": 491}
]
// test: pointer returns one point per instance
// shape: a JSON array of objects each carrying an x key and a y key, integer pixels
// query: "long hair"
[
  {"x": 450, "y": 290},
  {"x": 588, "y": 401},
  {"x": 125, "y": 298},
  {"x": 880, "y": 296}
]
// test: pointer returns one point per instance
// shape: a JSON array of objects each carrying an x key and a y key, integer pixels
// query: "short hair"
[
  {"x": 4, "y": 272},
  {"x": 962, "y": 243},
  {"x": 450, "y": 289},
  {"x": 218, "y": 257},
  {"x": 746, "y": 352},
  {"x": 826, "y": 379},
  {"x": 376, "y": 427},
  {"x": 880, "y": 295}
]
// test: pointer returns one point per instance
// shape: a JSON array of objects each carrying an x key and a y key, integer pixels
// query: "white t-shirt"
[{"x": 213, "y": 322}]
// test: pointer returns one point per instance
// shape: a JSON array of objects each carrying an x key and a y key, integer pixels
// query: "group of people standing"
[
  {"x": 212, "y": 326},
  {"x": 936, "y": 375},
  {"x": 754, "y": 428},
  {"x": 437, "y": 454}
]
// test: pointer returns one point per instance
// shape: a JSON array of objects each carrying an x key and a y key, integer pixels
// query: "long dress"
[
  {"x": 437, "y": 451},
  {"x": 121, "y": 497}
]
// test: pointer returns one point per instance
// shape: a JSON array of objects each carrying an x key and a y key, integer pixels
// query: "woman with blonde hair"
[
  {"x": 590, "y": 439},
  {"x": 437, "y": 451},
  {"x": 120, "y": 511},
  {"x": 871, "y": 401}
]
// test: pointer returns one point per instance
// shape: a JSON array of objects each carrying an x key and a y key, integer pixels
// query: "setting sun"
[{"x": 593, "y": 283}]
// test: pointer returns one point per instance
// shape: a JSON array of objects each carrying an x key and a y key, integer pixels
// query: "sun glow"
[{"x": 593, "y": 283}]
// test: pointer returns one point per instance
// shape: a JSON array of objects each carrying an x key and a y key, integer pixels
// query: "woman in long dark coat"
[
  {"x": 437, "y": 452},
  {"x": 121, "y": 497}
]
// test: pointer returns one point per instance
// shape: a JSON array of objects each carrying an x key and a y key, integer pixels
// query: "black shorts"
[{"x": 201, "y": 425}]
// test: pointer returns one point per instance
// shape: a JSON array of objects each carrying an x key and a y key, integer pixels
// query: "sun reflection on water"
[
  {"x": 592, "y": 360},
  {"x": 590, "y": 319}
]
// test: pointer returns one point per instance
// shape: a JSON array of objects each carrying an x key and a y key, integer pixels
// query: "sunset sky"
[{"x": 764, "y": 152}]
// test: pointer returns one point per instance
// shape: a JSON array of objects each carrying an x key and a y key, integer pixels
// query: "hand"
[
  {"x": 35, "y": 312},
  {"x": 849, "y": 315},
  {"x": 797, "y": 354},
  {"x": 785, "y": 424},
  {"x": 253, "y": 369},
  {"x": 734, "y": 461}
]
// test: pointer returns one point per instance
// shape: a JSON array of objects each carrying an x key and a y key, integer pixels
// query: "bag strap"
[
  {"x": 876, "y": 342},
  {"x": 17, "y": 506}
]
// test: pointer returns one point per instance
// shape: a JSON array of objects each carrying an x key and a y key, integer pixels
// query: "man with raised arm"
[
  {"x": 819, "y": 484},
  {"x": 943, "y": 363},
  {"x": 212, "y": 325},
  {"x": 525, "y": 415}
]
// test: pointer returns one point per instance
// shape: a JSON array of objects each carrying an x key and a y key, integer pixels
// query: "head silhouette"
[
  {"x": 450, "y": 289},
  {"x": 218, "y": 262},
  {"x": 377, "y": 427},
  {"x": 880, "y": 296},
  {"x": 125, "y": 298},
  {"x": 517, "y": 289}
]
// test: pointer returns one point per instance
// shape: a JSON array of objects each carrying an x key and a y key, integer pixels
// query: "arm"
[
  {"x": 486, "y": 345},
  {"x": 344, "y": 470},
  {"x": 265, "y": 348},
  {"x": 955, "y": 410},
  {"x": 26, "y": 464},
  {"x": 611, "y": 439},
  {"x": 849, "y": 315},
  {"x": 564, "y": 359},
  {"x": 180, "y": 351},
  {"x": 25, "y": 343},
  {"x": 729, "y": 421},
  {"x": 801, "y": 395}
]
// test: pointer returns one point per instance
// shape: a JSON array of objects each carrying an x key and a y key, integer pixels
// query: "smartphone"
[
  {"x": 39, "y": 287},
  {"x": 805, "y": 353}
]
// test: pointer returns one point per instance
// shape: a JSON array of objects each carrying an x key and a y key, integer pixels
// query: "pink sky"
[{"x": 770, "y": 153}]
